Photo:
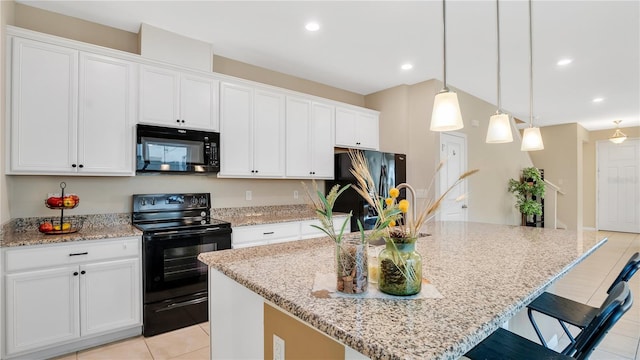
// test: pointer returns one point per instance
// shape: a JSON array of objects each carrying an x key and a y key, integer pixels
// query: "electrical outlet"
[
  {"x": 247, "y": 195},
  {"x": 295, "y": 194},
  {"x": 278, "y": 348}
]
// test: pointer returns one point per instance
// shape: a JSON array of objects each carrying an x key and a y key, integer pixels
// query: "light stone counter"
[
  {"x": 259, "y": 215},
  {"x": 486, "y": 273}
]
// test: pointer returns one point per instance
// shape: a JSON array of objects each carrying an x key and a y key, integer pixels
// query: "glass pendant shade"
[
  {"x": 499, "y": 129},
  {"x": 532, "y": 140},
  {"x": 618, "y": 137},
  {"x": 446, "y": 114}
]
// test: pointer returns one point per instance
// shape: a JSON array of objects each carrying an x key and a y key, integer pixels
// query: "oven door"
[{"x": 171, "y": 265}]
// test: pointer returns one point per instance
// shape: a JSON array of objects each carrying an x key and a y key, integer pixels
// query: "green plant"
[
  {"x": 323, "y": 207},
  {"x": 529, "y": 185}
]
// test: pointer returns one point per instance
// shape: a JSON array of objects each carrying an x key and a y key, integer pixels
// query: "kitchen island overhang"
[{"x": 485, "y": 272}]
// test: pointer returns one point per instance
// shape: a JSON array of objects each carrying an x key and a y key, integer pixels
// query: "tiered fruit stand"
[{"x": 60, "y": 224}]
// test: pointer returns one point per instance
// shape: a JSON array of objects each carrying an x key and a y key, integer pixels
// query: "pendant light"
[
  {"x": 531, "y": 139},
  {"x": 499, "y": 130},
  {"x": 618, "y": 137},
  {"x": 446, "y": 110}
]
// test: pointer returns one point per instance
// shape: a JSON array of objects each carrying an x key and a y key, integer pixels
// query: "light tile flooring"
[{"x": 586, "y": 283}]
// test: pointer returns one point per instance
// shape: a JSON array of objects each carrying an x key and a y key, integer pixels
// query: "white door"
[
  {"x": 346, "y": 134},
  {"x": 268, "y": 130},
  {"x": 159, "y": 96},
  {"x": 198, "y": 102},
  {"x": 368, "y": 131},
  {"x": 453, "y": 151},
  {"x": 298, "y": 137},
  {"x": 42, "y": 308},
  {"x": 236, "y": 129},
  {"x": 106, "y": 117},
  {"x": 322, "y": 141},
  {"x": 619, "y": 186},
  {"x": 44, "y": 110},
  {"x": 109, "y": 295}
]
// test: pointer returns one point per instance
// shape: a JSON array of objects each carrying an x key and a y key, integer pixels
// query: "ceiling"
[{"x": 362, "y": 44}]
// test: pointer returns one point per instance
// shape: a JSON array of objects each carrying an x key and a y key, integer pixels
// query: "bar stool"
[
  {"x": 503, "y": 344},
  {"x": 567, "y": 311}
]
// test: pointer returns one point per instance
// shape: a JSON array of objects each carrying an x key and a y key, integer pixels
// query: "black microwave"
[{"x": 176, "y": 151}]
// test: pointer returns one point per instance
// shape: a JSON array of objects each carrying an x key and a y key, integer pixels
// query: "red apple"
[
  {"x": 55, "y": 201},
  {"x": 45, "y": 227}
]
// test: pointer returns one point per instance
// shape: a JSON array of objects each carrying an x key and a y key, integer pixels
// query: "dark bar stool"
[
  {"x": 567, "y": 311},
  {"x": 505, "y": 345}
]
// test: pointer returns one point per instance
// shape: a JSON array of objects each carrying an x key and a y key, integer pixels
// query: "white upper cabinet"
[
  {"x": 173, "y": 98},
  {"x": 251, "y": 131},
  {"x": 309, "y": 139},
  {"x": 71, "y": 111},
  {"x": 357, "y": 129},
  {"x": 106, "y": 115}
]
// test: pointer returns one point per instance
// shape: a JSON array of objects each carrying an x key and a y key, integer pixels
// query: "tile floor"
[{"x": 587, "y": 283}]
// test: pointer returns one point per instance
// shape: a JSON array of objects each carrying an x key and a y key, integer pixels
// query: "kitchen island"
[{"x": 486, "y": 273}]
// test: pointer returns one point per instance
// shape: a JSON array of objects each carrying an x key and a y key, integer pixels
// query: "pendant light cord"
[
  {"x": 498, "y": 71},
  {"x": 530, "y": 68},
  {"x": 444, "y": 44}
]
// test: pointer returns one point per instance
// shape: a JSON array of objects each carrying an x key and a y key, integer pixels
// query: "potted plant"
[{"x": 527, "y": 190}]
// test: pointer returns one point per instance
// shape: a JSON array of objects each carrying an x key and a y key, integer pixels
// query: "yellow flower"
[
  {"x": 388, "y": 201},
  {"x": 403, "y": 205},
  {"x": 394, "y": 193},
  {"x": 392, "y": 223}
]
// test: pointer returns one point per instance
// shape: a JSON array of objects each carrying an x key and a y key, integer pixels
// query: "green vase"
[{"x": 400, "y": 268}]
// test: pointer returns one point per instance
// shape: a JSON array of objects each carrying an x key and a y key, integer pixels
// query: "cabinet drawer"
[
  {"x": 62, "y": 254},
  {"x": 265, "y": 234}
]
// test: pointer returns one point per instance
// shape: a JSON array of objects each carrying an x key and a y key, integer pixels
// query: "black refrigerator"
[{"x": 387, "y": 170}]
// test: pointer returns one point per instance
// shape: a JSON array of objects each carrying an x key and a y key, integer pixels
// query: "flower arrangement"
[
  {"x": 351, "y": 258},
  {"x": 529, "y": 185},
  {"x": 400, "y": 266},
  {"x": 391, "y": 220}
]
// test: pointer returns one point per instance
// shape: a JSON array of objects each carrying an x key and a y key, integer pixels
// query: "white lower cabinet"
[
  {"x": 255, "y": 235},
  {"x": 93, "y": 290}
]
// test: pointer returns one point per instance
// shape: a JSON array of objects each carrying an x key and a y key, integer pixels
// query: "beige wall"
[
  {"x": 404, "y": 127},
  {"x": 589, "y": 171},
  {"x": 560, "y": 160},
  {"x": 22, "y": 196}
]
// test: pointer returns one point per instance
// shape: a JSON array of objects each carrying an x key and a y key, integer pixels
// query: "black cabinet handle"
[
  {"x": 75, "y": 273},
  {"x": 256, "y": 171},
  {"x": 183, "y": 121},
  {"x": 178, "y": 121},
  {"x": 73, "y": 165},
  {"x": 77, "y": 254},
  {"x": 268, "y": 233},
  {"x": 80, "y": 166},
  {"x": 83, "y": 272}
]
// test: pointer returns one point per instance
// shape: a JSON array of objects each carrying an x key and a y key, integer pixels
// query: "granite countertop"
[
  {"x": 259, "y": 215},
  {"x": 24, "y": 232},
  {"x": 485, "y": 272}
]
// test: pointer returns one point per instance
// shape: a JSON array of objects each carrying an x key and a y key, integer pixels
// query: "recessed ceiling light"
[
  {"x": 564, "y": 62},
  {"x": 406, "y": 66},
  {"x": 598, "y": 99},
  {"x": 312, "y": 26}
]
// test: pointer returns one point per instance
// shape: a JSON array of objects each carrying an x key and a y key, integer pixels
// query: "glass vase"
[
  {"x": 351, "y": 265},
  {"x": 400, "y": 268}
]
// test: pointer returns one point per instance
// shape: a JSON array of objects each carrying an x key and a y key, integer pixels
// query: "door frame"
[{"x": 465, "y": 164}]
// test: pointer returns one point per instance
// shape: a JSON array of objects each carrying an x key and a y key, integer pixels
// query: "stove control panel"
[{"x": 170, "y": 202}]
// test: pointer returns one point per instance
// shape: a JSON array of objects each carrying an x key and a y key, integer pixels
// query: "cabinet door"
[
  {"x": 322, "y": 141},
  {"x": 199, "y": 102},
  {"x": 236, "y": 135},
  {"x": 109, "y": 295},
  {"x": 298, "y": 132},
  {"x": 106, "y": 115},
  {"x": 268, "y": 134},
  {"x": 41, "y": 308},
  {"x": 346, "y": 128},
  {"x": 368, "y": 131},
  {"x": 159, "y": 96},
  {"x": 44, "y": 112}
]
